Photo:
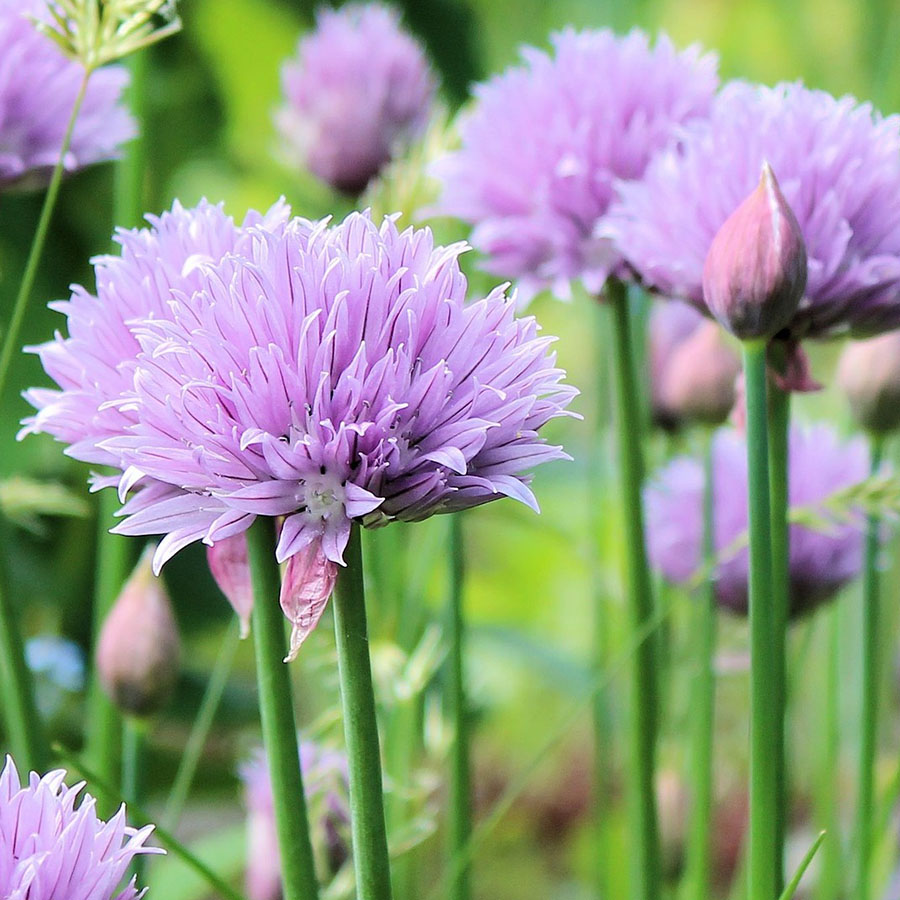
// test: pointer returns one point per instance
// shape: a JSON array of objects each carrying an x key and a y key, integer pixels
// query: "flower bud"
[
  {"x": 699, "y": 381},
  {"x": 230, "y": 568},
  {"x": 671, "y": 323},
  {"x": 869, "y": 374},
  {"x": 139, "y": 649},
  {"x": 755, "y": 271}
]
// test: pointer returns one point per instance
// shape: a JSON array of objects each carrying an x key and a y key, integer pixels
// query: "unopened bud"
[
  {"x": 139, "y": 649},
  {"x": 755, "y": 271},
  {"x": 869, "y": 374},
  {"x": 230, "y": 567},
  {"x": 699, "y": 381}
]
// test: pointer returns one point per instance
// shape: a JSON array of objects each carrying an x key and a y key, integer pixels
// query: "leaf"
[{"x": 794, "y": 883}]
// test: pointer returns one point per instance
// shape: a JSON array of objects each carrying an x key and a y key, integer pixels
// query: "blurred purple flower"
[
  {"x": 546, "y": 142},
  {"x": 820, "y": 562},
  {"x": 358, "y": 93},
  {"x": 327, "y": 789},
  {"x": 671, "y": 324},
  {"x": 838, "y": 164},
  {"x": 38, "y": 85},
  {"x": 46, "y": 842},
  {"x": 321, "y": 373}
]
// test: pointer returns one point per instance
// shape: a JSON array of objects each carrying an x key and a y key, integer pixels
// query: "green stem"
[
  {"x": 370, "y": 851},
  {"x": 646, "y": 880},
  {"x": 830, "y": 880},
  {"x": 276, "y": 707},
  {"x": 115, "y": 558},
  {"x": 11, "y": 338},
  {"x": 460, "y": 783},
  {"x": 133, "y": 763},
  {"x": 196, "y": 741},
  {"x": 699, "y": 864},
  {"x": 132, "y": 167},
  {"x": 763, "y": 702},
  {"x": 779, "y": 411},
  {"x": 20, "y": 713},
  {"x": 865, "y": 810}
]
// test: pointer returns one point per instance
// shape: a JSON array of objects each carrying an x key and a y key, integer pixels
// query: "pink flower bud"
[
  {"x": 699, "y": 382},
  {"x": 308, "y": 581},
  {"x": 869, "y": 374},
  {"x": 230, "y": 567},
  {"x": 139, "y": 649},
  {"x": 755, "y": 271}
]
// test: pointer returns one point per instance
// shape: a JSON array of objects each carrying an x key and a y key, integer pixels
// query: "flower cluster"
[
  {"x": 327, "y": 790},
  {"x": 321, "y": 373},
  {"x": 358, "y": 92},
  {"x": 547, "y": 141},
  {"x": 45, "y": 842},
  {"x": 38, "y": 86},
  {"x": 821, "y": 562},
  {"x": 838, "y": 165}
]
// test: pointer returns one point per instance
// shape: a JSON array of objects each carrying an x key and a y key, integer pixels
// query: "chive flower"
[
  {"x": 547, "y": 141},
  {"x": 821, "y": 562},
  {"x": 49, "y": 848},
  {"x": 322, "y": 374},
  {"x": 327, "y": 789},
  {"x": 38, "y": 86},
  {"x": 838, "y": 166},
  {"x": 358, "y": 92}
]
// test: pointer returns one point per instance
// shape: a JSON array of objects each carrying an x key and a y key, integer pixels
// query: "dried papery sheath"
[
  {"x": 546, "y": 141},
  {"x": 47, "y": 841}
]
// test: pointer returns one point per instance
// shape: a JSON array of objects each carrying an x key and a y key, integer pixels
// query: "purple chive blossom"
[
  {"x": 671, "y": 324},
  {"x": 820, "y": 562},
  {"x": 546, "y": 142},
  {"x": 327, "y": 790},
  {"x": 358, "y": 92},
  {"x": 51, "y": 849},
  {"x": 838, "y": 165},
  {"x": 319, "y": 373},
  {"x": 38, "y": 85}
]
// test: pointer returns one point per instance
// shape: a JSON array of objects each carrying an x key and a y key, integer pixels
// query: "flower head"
[
  {"x": 358, "y": 92},
  {"x": 546, "y": 142},
  {"x": 820, "y": 562},
  {"x": 38, "y": 86},
  {"x": 838, "y": 165},
  {"x": 327, "y": 789},
  {"x": 324, "y": 374},
  {"x": 45, "y": 842},
  {"x": 869, "y": 375}
]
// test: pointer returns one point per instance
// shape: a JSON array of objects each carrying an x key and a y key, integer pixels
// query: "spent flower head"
[
  {"x": 821, "y": 562},
  {"x": 47, "y": 842},
  {"x": 326, "y": 374},
  {"x": 38, "y": 87},
  {"x": 869, "y": 376},
  {"x": 357, "y": 94},
  {"x": 546, "y": 142},
  {"x": 95, "y": 32}
]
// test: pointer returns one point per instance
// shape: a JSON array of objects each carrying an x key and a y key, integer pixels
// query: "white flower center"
[{"x": 323, "y": 496}]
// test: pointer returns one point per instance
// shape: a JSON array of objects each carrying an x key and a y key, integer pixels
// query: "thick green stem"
[
  {"x": 828, "y": 797},
  {"x": 370, "y": 851},
  {"x": 196, "y": 741},
  {"x": 763, "y": 701},
  {"x": 646, "y": 872},
  {"x": 869, "y": 659},
  {"x": 276, "y": 707},
  {"x": 699, "y": 856},
  {"x": 115, "y": 557},
  {"x": 460, "y": 782},
  {"x": 133, "y": 751},
  {"x": 779, "y": 422},
  {"x": 20, "y": 714}
]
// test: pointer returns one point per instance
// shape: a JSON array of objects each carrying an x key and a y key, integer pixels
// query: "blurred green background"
[{"x": 212, "y": 91}]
